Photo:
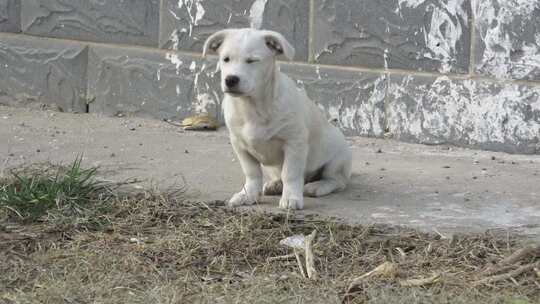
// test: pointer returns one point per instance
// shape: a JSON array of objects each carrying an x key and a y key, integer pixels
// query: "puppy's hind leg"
[
  {"x": 274, "y": 186},
  {"x": 335, "y": 176}
]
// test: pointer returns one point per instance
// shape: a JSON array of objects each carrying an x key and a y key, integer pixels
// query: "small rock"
[
  {"x": 295, "y": 241},
  {"x": 38, "y": 150},
  {"x": 446, "y": 167},
  {"x": 135, "y": 241},
  {"x": 475, "y": 177},
  {"x": 493, "y": 158},
  {"x": 11, "y": 154},
  {"x": 132, "y": 126},
  {"x": 367, "y": 164},
  {"x": 379, "y": 151},
  {"x": 113, "y": 155},
  {"x": 383, "y": 169},
  {"x": 186, "y": 151}
]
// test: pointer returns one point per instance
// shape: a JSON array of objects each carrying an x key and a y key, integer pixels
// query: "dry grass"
[{"x": 157, "y": 249}]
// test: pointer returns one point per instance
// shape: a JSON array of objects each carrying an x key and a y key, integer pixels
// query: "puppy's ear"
[
  {"x": 278, "y": 44},
  {"x": 213, "y": 42}
]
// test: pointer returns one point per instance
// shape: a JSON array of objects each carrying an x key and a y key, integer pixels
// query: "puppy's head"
[{"x": 247, "y": 58}]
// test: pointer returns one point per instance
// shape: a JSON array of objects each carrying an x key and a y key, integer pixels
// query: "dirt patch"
[
  {"x": 67, "y": 238},
  {"x": 159, "y": 249}
]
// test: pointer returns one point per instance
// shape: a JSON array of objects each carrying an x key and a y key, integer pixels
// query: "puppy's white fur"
[{"x": 273, "y": 125}]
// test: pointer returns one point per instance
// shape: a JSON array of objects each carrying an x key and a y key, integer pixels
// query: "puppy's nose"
[{"x": 232, "y": 81}]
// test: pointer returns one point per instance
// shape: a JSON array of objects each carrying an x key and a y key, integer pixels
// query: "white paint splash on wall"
[
  {"x": 385, "y": 56},
  {"x": 172, "y": 56},
  {"x": 506, "y": 53},
  {"x": 200, "y": 13},
  {"x": 373, "y": 114},
  {"x": 444, "y": 33},
  {"x": 174, "y": 59},
  {"x": 442, "y": 28},
  {"x": 207, "y": 100},
  {"x": 204, "y": 103},
  {"x": 175, "y": 39},
  {"x": 195, "y": 11},
  {"x": 256, "y": 13},
  {"x": 360, "y": 115},
  {"x": 410, "y": 3},
  {"x": 472, "y": 111}
]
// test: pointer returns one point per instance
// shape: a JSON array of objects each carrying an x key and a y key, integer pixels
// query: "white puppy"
[{"x": 273, "y": 125}]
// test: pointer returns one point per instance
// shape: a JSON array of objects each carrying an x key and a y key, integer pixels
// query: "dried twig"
[
  {"x": 504, "y": 276},
  {"x": 280, "y": 258},
  {"x": 443, "y": 237},
  {"x": 299, "y": 261},
  {"x": 515, "y": 257},
  {"x": 421, "y": 282},
  {"x": 365, "y": 233},
  {"x": 386, "y": 269},
  {"x": 310, "y": 260},
  {"x": 521, "y": 254},
  {"x": 401, "y": 252}
]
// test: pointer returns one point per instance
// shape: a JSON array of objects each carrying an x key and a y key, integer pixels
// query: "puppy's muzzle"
[{"x": 232, "y": 83}]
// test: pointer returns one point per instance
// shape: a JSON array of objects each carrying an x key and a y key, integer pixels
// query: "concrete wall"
[{"x": 463, "y": 72}]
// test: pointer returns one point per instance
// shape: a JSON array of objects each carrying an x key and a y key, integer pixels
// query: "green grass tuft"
[{"x": 32, "y": 193}]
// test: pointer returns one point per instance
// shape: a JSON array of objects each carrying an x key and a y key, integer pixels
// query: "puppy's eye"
[
  {"x": 250, "y": 61},
  {"x": 226, "y": 59}
]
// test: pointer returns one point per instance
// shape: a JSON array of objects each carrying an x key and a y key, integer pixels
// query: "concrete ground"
[{"x": 434, "y": 188}]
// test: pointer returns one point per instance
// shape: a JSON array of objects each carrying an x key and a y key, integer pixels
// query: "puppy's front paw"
[
  {"x": 291, "y": 203},
  {"x": 242, "y": 198}
]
